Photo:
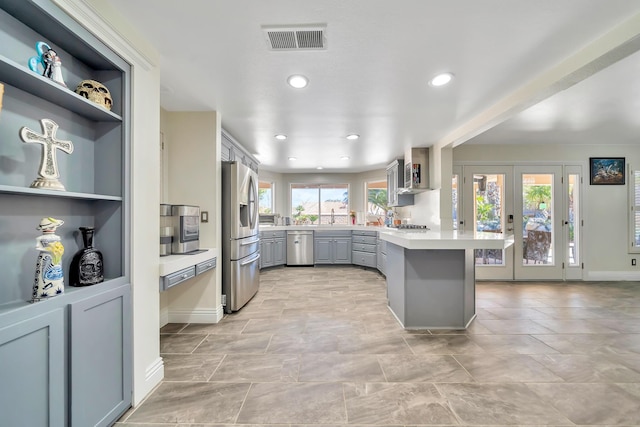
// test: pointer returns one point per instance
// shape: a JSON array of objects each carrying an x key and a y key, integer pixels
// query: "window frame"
[
  {"x": 272, "y": 188},
  {"x": 366, "y": 195},
  {"x": 634, "y": 209},
  {"x": 319, "y": 187}
]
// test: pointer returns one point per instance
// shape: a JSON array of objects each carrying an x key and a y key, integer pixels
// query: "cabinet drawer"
[
  {"x": 383, "y": 246},
  {"x": 332, "y": 233},
  {"x": 273, "y": 234},
  {"x": 178, "y": 277},
  {"x": 205, "y": 265},
  {"x": 364, "y": 233},
  {"x": 369, "y": 240},
  {"x": 363, "y": 247},
  {"x": 366, "y": 259}
]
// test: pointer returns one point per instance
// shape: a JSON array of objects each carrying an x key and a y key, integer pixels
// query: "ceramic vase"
[
  {"x": 87, "y": 267},
  {"x": 49, "y": 277}
]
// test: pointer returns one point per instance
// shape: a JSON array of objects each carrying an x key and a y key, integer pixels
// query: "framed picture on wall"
[{"x": 607, "y": 170}]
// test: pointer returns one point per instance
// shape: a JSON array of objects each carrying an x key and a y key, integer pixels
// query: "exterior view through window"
[
  {"x": 265, "y": 197},
  {"x": 313, "y": 203},
  {"x": 376, "y": 200}
]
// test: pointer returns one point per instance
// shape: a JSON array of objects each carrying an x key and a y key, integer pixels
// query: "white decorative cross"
[{"x": 48, "y": 165}]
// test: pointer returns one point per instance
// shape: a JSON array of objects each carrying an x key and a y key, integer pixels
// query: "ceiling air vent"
[{"x": 307, "y": 37}]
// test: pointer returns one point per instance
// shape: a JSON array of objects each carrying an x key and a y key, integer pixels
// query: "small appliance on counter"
[
  {"x": 186, "y": 228},
  {"x": 166, "y": 230}
]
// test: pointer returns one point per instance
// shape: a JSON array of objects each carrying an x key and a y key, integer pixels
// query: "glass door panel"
[
  {"x": 539, "y": 205},
  {"x": 487, "y": 210},
  {"x": 573, "y": 223}
]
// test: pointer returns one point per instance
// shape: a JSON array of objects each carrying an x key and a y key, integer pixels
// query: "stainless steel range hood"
[{"x": 416, "y": 171}]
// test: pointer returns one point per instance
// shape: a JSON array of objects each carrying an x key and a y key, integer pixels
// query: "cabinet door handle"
[{"x": 184, "y": 276}]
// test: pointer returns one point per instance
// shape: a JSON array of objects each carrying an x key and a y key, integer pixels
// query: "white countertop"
[
  {"x": 172, "y": 263},
  {"x": 322, "y": 227},
  {"x": 446, "y": 239}
]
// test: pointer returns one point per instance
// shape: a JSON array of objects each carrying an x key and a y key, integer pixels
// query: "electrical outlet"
[{"x": 633, "y": 261}]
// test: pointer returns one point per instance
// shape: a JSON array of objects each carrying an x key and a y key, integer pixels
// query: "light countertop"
[
  {"x": 446, "y": 239},
  {"x": 323, "y": 227},
  {"x": 172, "y": 263}
]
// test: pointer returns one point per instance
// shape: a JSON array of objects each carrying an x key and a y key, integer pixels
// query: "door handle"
[
  {"x": 249, "y": 243},
  {"x": 242, "y": 264}
]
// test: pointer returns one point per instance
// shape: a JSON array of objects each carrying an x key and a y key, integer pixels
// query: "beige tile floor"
[{"x": 318, "y": 346}]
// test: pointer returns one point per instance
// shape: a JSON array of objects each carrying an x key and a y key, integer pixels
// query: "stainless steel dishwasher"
[{"x": 300, "y": 247}]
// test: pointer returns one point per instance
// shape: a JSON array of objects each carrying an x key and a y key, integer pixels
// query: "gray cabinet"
[
  {"x": 395, "y": 181},
  {"x": 381, "y": 258},
  {"x": 100, "y": 358},
  {"x": 273, "y": 248},
  {"x": 332, "y": 247},
  {"x": 364, "y": 248},
  {"x": 34, "y": 338},
  {"x": 32, "y": 370},
  {"x": 233, "y": 151}
]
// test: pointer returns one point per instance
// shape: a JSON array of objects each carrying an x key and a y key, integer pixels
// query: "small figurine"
[
  {"x": 50, "y": 62},
  {"x": 49, "y": 277}
]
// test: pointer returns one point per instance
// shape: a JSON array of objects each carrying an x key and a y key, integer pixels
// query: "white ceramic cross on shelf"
[{"x": 48, "y": 173}]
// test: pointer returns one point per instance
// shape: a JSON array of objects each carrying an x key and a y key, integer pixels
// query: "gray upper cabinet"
[
  {"x": 96, "y": 179},
  {"x": 233, "y": 151},
  {"x": 395, "y": 181}
]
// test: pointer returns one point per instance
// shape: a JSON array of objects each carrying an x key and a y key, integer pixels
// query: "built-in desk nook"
[{"x": 176, "y": 269}]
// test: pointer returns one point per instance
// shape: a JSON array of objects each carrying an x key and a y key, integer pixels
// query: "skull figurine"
[{"x": 95, "y": 92}]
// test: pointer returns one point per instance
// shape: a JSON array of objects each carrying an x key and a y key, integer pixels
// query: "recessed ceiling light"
[
  {"x": 293, "y": 158},
  {"x": 298, "y": 81},
  {"x": 353, "y": 136},
  {"x": 319, "y": 167},
  {"x": 280, "y": 136},
  {"x": 344, "y": 158},
  {"x": 441, "y": 79}
]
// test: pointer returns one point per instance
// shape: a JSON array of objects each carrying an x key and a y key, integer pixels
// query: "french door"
[{"x": 539, "y": 205}]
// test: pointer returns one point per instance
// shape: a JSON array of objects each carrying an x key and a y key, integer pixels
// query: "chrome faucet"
[{"x": 333, "y": 217}]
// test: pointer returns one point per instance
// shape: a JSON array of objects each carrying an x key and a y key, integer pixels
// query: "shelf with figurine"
[{"x": 64, "y": 143}]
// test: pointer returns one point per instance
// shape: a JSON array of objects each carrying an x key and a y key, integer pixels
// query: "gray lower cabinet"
[
  {"x": 273, "y": 248},
  {"x": 32, "y": 371},
  {"x": 66, "y": 362},
  {"x": 332, "y": 247},
  {"x": 364, "y": 246},
  {"x": 100, "y": 358},
  {"x": 381, "y": 259}
]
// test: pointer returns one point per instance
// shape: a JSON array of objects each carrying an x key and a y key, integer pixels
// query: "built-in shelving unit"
[{"x": 72, "y": 332}]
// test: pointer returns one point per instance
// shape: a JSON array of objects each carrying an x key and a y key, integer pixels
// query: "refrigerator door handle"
[
  {"x": 250, "y": 243},
  {"x": 252, "y": 260}
]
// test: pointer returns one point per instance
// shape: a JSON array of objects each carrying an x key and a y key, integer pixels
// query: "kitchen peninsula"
[{"x": 431, "y": 276}]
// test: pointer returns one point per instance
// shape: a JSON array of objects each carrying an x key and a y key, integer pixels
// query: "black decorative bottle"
[{"x": 87, "y": 267}]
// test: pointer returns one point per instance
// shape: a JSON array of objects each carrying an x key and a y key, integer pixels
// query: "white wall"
[
  {"x": 356, "y": 181},
  {"x": 605, "y": 208},
  {"x": 193, "y": 143},
  {"x": 100, "y": 19}
]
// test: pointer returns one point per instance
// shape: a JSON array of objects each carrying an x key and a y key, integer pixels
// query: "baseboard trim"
[
  {"x": 613, "y": 276},
  {"x": 153, "y": 376},
  {"x": 195, "y": 315},
  {"x": 164, "y": 316}
]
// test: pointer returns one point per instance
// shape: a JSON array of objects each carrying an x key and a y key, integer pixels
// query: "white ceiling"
[{"x": 373, "y": 77}]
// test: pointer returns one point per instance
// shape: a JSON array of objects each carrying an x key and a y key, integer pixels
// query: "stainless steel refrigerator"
[{"x": 240, "y": 235}]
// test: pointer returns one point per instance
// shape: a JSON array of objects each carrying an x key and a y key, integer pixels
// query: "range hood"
[{"x": 416, "y": 171}]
